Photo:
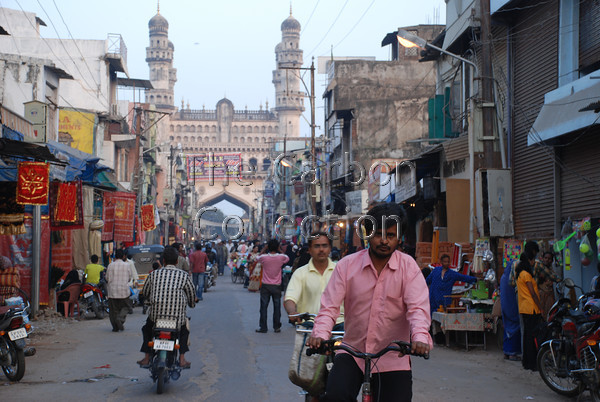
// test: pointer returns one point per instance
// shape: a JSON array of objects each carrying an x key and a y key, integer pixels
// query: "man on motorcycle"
[
  {"x": 308, "y": 282},
  {"x": 168, "y": 291},
  {"x": 93, "y": 270}
]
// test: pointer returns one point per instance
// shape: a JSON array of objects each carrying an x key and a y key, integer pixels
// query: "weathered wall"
[{"x": 389, "y": 102}]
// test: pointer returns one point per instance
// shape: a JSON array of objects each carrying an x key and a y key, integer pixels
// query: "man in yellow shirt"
[
  {"x": 93, "y": 270},
  {"x": 308, "y": 282}
]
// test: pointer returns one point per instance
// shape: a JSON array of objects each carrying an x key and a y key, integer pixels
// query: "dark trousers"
[
  {"x": 345, "y": 380},
  {"x": 530, "y": 325},
  {"x": 184, "y": 335},
  {"x": 266, "y": 293},
  {"x": 117, "y": 312}
]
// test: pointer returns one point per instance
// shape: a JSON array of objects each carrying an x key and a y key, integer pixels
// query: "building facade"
[{"x": 230, "y": 136}]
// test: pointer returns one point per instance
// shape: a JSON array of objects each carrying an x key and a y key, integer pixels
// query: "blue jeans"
[{"x": 198, "y": 279}]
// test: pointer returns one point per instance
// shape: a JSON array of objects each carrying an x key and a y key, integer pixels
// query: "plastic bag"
[{"x": 585, "y": 250}]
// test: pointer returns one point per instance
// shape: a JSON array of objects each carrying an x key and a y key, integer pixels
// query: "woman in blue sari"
[{"x": 510, "y": 318}]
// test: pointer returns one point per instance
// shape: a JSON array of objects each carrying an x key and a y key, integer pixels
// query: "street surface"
[{"x": 231, "y": 362}]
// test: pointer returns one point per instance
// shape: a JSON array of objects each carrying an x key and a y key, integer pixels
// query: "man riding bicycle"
[
  {"x": 385, "y": 299},
  {"x": 306, "y": 286}
]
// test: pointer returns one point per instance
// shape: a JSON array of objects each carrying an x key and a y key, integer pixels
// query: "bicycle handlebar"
[{"x": 396, "y": 346}]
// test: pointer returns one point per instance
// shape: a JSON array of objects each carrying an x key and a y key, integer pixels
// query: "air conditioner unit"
[{"x": 494, "y": 202}]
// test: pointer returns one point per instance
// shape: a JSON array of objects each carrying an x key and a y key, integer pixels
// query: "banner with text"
[{"x": 215, "y": 166}]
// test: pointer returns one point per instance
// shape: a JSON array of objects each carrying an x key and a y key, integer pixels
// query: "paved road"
[{"x": 230, "y": 362}]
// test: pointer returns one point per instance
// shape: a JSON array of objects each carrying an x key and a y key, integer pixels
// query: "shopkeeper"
[{"x": 441, "y": 281}]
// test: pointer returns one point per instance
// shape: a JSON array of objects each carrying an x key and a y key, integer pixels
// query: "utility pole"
[
  {"x": 490, "y": 157},
  {"x": 313, "y": 189},
  {"x": 138, "y": 163},
  {"x": 313, "y": 192}
]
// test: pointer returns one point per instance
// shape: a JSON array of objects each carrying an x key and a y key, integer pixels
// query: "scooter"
[{"x": 13, "y": 331}]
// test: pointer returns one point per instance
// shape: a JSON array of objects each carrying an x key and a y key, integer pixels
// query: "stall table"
[{"x": 465, "y": 322}]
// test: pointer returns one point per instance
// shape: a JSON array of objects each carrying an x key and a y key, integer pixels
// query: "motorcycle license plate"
[
  {"x": 162, "y": 344},
  {"x": 88, "y": 294},
  {"x": 17, "y": 334}
]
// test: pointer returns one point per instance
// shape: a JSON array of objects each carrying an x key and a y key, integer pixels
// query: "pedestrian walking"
[
  {"x": 272, "y": 264},
  {"x": 198, "y": 261},
  {"x": 118, "y": 277}
]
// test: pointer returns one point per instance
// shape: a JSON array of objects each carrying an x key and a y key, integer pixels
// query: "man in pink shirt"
[
  {"x": 385, "y": 299},
  {"x": 198, "y": 261},
  {"x": 272, "y": 264}
]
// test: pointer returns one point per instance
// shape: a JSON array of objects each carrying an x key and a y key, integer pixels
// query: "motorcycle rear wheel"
[
  {"x": 15, "y": 370},
  {"x": 548, "y": 371},
  {"x": 160, "y": 380}
]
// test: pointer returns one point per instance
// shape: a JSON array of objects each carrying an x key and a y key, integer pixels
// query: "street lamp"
[{"x": 409, "y": 40}]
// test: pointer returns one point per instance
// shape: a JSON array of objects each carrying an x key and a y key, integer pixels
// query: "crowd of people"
[{"x": 377, "y": 294}]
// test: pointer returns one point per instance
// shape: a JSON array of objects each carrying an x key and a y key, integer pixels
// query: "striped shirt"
[
  {"x": 118, "y": 276},
  {"x": 169, "y": 290}
]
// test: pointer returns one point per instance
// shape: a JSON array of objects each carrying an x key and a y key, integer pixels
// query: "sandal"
[
  {"x": 186, "y": 365},
  {"x": 142, "y": 364}
]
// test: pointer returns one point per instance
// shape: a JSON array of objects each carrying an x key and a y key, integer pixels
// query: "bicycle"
[
  {"x": 328, "y": 346},
  {"x": 309, "y": 374}
]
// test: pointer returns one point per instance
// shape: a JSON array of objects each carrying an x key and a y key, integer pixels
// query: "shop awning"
[
  {"x": 81, "y": 165},
  {"x": 27, "y": 150},
  {"x": 561, "y": 111}
]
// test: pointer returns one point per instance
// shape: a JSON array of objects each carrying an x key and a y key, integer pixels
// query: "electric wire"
[
  {"x": 310, "y": 17},
  {"x": 51, "y": 49},
  {"x": 76, "y": 45},
  {"x": 330, "y": 28},
  {"x": 68, "y": 53},
  {"x": 353, "y": 27}
]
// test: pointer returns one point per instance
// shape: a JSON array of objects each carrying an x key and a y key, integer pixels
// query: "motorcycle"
[
  {"x": 92, "y": 301},
  {"x": 568, "y": 361},
  {"x": 209, "y": 278},
  {"x": 13, "y": 331},
  {"x": 164, "y": 361}
]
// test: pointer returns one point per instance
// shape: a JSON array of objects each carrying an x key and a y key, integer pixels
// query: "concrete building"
[
  {"x": 92, "y": 93},
  {"x": 376, "y": 110}
]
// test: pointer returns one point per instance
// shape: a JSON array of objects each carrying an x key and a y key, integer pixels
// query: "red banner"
[
  {"x": 33, "y": 183},
  {"x": 66, "y": 205},
  {"x": 118, "y": 216},
  {"x": 148, "y": 218}
]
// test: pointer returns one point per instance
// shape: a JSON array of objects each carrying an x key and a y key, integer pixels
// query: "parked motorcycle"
[
  {"x": 13, "y": 331},
  {"x": 568, "y": 361},
  {"x": 164, "y": 361},
  {"x": 92, "y": 301}
]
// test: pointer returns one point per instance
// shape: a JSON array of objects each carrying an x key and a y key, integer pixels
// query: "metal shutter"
[
  {"x": 580, "y": 176},
  {"x": 535, "y": 47},
  {"x": 589, "y": 35}
]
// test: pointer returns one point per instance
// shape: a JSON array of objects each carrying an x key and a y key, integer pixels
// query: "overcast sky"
[{"x": 226, "y": 47}]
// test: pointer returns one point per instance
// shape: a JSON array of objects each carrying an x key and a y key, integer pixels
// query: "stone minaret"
[
  {"x": 289, "y": 100},
  {"x": 159, "y": 56}
]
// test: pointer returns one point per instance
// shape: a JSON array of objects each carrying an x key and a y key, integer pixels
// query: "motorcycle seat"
[{"x": 5, "y": 309}]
